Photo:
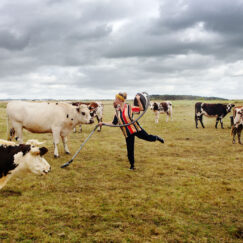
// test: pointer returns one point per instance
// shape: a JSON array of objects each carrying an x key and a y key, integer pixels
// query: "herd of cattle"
[{"x": 61, "y": 118}]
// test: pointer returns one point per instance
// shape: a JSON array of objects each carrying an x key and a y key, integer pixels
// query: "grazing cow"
[
  {"x": 96, "y": 110},
  {"x": 237, "y": 123},
  {"x": 160, "y": 108},
  {"x": 21, "y": 158},
  {"x": 211, "y": 110},
  {"x": 56, "y": 118}
]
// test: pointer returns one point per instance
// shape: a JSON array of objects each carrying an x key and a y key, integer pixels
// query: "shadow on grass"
[
  {"x": 7, "y": 193},
  {"x": 238, "y": 233}
]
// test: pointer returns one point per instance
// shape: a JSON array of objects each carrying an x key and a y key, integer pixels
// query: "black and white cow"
[
  {"x": 160, "y": 108},
  {"x": 211, "y": 110},
  {"x": 237, "y": 125},
  {"x": 21, "y": 158}
]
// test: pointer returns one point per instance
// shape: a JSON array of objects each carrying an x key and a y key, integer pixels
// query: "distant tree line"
[
  {"x": 152, "y": 97},
  {"x": 183, "y": 97}
]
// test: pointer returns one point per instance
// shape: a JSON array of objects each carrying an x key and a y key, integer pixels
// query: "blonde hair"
[{"x": 121, "y": 96}]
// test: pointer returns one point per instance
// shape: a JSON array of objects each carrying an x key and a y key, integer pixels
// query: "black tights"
[{"x": 130, "y": 143}]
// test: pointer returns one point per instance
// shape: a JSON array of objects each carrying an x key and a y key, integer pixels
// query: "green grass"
[{"x": 187, "y": 190}]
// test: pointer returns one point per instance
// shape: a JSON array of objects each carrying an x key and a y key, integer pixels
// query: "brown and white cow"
[
  {"x": 57, "y": 118},
  {"x": 237, "y": 123},
  {"x": 160, "y": 108},
  {"x": 16, "y": 159},
  {"x": 211, "y": 110},
  {"x": 96, "y": 110}
]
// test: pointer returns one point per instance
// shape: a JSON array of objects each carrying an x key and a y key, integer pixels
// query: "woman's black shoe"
[
  {"x": 160, "y": 139},
  {"x": 132, "y": 167}
]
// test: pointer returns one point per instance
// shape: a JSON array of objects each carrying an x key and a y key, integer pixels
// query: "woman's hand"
[{"x": 101, "y": 124}]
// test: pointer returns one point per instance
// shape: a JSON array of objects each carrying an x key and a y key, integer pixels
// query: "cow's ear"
[
  {"x": 233, "y": 105},
  {"x": 24, "y": 148},
  {"x": 78, "y": 110},
  {"x": 43, "y": 150}
]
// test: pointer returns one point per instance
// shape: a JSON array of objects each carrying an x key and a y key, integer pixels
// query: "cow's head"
[
  {"x": 229, "y": 107},
  {"x": 84, "y": 116},
  {"x": 30, "y": 158},
  {"x": 154, "y": 106},
  {"x": 93, "y": 107}
]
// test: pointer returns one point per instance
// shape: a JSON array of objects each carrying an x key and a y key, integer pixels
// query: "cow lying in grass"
[{"x": 21, "y": 158}]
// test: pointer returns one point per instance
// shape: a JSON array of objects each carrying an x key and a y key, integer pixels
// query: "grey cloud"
[
  {"x": 12, "y": 41},
  {"x": 218, "y": 15},
  {"x": 95, "y": 48},
  {"x": 164, "y": 35}
]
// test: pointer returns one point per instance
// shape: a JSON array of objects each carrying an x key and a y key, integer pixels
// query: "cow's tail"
[{"x": 10, "y": 130}]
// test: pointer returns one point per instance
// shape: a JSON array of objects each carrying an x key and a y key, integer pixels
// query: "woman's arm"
[
  {"x": 105, "y": 123},
  {"x": 114, "y": 122},
  {"x": 139, "y": 103}
]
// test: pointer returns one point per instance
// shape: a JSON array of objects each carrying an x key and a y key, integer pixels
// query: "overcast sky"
[{"x": 91, "y": 49}]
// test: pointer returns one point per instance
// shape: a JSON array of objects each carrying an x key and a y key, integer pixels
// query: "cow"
[
  {"x": 160, "y": 108},
  {"x": 58, "y": 118},
  {"x": 21, "y": 158},
  {"x": 211, "y": 110},
  {"x": 96, "y": 110},
  {"x": 237, "y": 123}
]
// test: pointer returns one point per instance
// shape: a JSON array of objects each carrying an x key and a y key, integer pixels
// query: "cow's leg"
[
  {"x": 233, "y": 133},
  {"x": 11, "y": 134},
  {"x": 64, "y": 141},
  {"x": 196, "y": 121},
  {"x": 56, "y": 137},
  {"x": 201, "y": 120},
  {"x": 221, "y": 122},
  {"x": 99, "y": 120},
  {"x": 156, "y": 116},
  {"x": 217, "y": 121},
  {"x": 74, "y": 129},
  {"x": 18, "y": 132},
  {"x": 80, "y": 128},
  {"x": 239, "y": 134},
  {"x": 167, "y": 116}
]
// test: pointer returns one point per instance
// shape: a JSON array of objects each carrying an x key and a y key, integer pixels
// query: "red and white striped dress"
[{"x": 125, "y": 116}]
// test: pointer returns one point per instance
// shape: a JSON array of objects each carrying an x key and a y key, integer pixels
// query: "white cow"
[
  {"x": 21, "y": 158},
  {"x": 96, "y": 110},
  {"x": 56, "y": 118}
]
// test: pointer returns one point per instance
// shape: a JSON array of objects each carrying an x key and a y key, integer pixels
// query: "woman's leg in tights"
[
  {"x": 145, "y": 136},
  {"x": 130, "y": 150}
]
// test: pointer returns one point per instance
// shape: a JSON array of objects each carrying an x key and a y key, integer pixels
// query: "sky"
[{"x": 92, "y": 49}]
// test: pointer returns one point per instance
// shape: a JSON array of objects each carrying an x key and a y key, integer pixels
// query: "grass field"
[{"x": 187, "y": 190}]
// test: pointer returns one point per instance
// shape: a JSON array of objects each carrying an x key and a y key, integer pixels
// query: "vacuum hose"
[{"x": 145, "y": 102}]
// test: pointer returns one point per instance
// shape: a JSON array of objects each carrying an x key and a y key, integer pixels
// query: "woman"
[{"x": 124, "y": 115}]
